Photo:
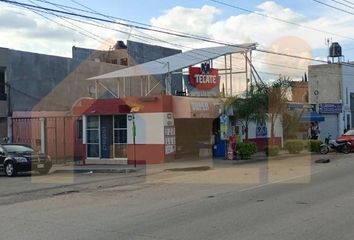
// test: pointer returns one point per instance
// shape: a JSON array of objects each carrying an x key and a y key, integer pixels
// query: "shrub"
[
  {"x": 294, "y": 146},
  {"x": 246, "y": 149},
  {"x": 271, "y": 150},
  {"x": 314, "y": 145}
]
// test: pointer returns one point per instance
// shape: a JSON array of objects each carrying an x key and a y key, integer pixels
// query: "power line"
[
  {"x": 135, "y": 35},
  {"x": 280, "y": 20},
  {"x": 155, "y": 30},
  {"x": 333, "y": 7},
  {"x": 348, "y": 2},
  {"x": 87, "y": 33},
  {"x": 343, "y": 4},
  {"x": 145, "y": 26}
]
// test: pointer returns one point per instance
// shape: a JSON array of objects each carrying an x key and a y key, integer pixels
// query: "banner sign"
[
  {"x": 261, "y": 130},
  {"x": 204, "y": 80},
  {"x": 170, "y": 139},
  {"x": 224, "y": 123},
  {"x": 330, "y": 108}
]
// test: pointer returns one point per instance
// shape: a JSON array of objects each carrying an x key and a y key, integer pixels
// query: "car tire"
[
  {"x": 44, "y": 171},
  {"x": 324, "y": 149},
  {"x": 10, "y": 170},
  {"x": 346, "y": 149}
]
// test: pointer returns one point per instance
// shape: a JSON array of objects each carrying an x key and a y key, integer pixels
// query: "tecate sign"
[{"x": 204, "y": 80}]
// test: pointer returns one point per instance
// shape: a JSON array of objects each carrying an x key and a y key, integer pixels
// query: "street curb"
[
  {"x": 279, "y": 157},
  {"x": 90, "y": 171},
  {"x": 188, "y": 169}
]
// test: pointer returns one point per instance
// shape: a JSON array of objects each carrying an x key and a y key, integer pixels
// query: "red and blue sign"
[{"x": 204, "y": 78}]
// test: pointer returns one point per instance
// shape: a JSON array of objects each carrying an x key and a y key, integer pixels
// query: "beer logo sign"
[{"x": 204, "y": 78}]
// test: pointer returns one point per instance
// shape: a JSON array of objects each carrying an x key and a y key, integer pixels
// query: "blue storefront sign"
[
  {"x": 330, "y": 108},
  {"x": 224, "y": 123}
]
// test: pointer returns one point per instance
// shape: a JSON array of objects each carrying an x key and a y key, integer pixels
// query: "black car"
[{"x": 16, "y": 158}]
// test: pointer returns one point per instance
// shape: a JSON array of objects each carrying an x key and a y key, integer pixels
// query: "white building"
[{"x": 331, "y": 88}]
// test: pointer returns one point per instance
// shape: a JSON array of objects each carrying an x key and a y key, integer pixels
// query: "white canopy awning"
[{"x": 176, "y": 62}]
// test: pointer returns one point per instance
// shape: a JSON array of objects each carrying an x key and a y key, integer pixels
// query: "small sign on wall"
[
  {"x": 170, "y": 139},
  {"x": 330, "y": 108}
]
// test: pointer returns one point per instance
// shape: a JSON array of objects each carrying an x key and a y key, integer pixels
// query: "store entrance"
[
  {"x": 107, "y": 137},
  {"x": 106, "y": 127}
]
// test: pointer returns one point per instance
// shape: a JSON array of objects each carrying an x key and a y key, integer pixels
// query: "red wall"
[{"x": 146, "y": 154}]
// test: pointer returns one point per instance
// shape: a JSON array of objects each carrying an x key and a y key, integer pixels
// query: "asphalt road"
[
  {"x": 29, "y": 187},
  {"x": 290, "y": 201}
]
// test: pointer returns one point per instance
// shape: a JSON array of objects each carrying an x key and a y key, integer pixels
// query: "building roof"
[{"x": 177, "y": 61}]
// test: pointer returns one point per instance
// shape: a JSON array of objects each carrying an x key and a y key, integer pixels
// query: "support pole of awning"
[
  {"x": 246, "y": 70},
  {"x": 168, "y": 80},
  {"x": 124, "y": 89},
  {"x": 96, "y": 86},
  {"x": 226, "y": 91},
  {"x": 230, "y": 74}
]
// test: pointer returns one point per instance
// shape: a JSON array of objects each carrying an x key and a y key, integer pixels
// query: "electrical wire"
[
  {"x": 156, "y": 30},
  {"x": 202, "y": 58},
  {"x": 333, "y": 7},
  {"x": 343, "y": 4},
  {"x": 87, "y": 33},
  {"x": 279, "y": 19},
  {"x": 264, "y": 51}
]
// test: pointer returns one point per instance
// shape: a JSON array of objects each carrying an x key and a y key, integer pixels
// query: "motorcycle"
[{"x": 338, "y": 146}]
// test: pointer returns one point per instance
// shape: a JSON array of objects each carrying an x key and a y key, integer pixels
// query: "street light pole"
[{"x": 134, "y": 135}]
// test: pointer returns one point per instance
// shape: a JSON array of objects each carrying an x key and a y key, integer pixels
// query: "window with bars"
[
  {"x": 93, "y": 139},
  {"x": 120, "y": 136}
]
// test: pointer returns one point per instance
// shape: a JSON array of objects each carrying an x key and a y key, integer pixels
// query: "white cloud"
[
  {"x": 268, "y": 32},
  {"x": 189, "y": 20},
  {"x": 28, "y": 31},
  {"x": 24, "y": 30}
]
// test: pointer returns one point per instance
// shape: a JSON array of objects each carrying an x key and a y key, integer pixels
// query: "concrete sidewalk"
[
  {"x": 71, "y": 168},
  {"x": 183, "y": 164}
]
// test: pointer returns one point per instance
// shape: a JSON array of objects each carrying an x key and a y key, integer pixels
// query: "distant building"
[
  {"x": 331, "y": 88},
  {"x": 35, "y": 86},
  {"x": 137, "y": 108},
  {"x": 300, "y": 92}
]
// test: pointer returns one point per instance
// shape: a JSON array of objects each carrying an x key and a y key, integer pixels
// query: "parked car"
[
  {"x": 16, "y": 158},
  {"x": 347, "y": 136}
]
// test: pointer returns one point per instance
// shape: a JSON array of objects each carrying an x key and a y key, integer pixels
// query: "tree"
[
  {"x": 248, "y": 108},
  {"x": 264, "y": 101},
  {"x": 277, "y": 101},
  {"x": 291, "y": 124}
]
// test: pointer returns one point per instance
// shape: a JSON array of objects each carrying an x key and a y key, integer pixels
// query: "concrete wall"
[
  {"x": 300, "y": 91},
  {"x": 49, "y": 83},
  {"x": 42, "y": 82},
  {"x": 140, "y": 53},
  {"x": 348, "y": 93},
  {"x": 278, "y": 129},
  {"x": 4, "y": 62},
  {"x": 335, "y": 84},
  {"x": 74, "y": 86},
  {"x": 109, "y": 56},
  {"x": 327, "y": 79},
  {"x": 136, "y": 53},
  {"x": 33, "y": 76}
]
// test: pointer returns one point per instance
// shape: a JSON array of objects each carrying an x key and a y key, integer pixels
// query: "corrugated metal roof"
[{"x": 176, "y": 62}]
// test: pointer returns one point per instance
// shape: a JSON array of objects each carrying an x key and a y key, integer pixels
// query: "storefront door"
[
  {"x": 106, "y": 127},
  {"x": 107, "y": 137}
]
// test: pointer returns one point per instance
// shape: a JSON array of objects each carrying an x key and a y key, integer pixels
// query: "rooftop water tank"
[{"x": 335, "y": 50}]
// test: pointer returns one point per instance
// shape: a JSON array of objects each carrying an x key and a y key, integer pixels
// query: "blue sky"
[
  {"x": 141, "y": 10},
  {"x": 144, "y": 10}
]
